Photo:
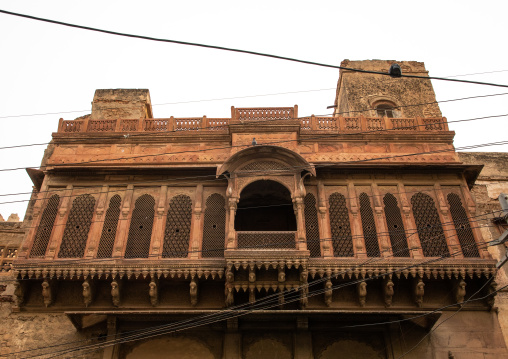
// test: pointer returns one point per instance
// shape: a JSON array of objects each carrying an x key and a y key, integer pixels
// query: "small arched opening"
[{"x": 265, "y": 206}]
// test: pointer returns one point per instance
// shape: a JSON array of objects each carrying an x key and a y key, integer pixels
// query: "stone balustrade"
[{"x": 307, "y": 124}]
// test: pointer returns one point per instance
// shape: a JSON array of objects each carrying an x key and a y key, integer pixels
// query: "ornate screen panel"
[
  {"x": 140, "y": 230},
  {"x": 396, "y": 228},
  {"x": 45, "y": 227},
  {"x": 214, "y": 228},
  {"x": 462, "y": 226},
  {"x": 342, "y": 240},
  {"x": 428, "y": 224},
  {"x": 311, "y": 226},
  {"x": 369, "y": 227},
  {"x": 77, "y": 227},
  {"x": 178, "y": 226},
  {"x": 108, "y": 235}
]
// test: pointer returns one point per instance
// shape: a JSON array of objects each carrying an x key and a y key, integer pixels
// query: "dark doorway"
[{"x": 265, "y": 206}]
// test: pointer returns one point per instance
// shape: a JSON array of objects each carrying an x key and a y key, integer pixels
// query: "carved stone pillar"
[
  {"x": 231, "y": 234},
  {"x": 111, "y": 352},
  {"x": 196, "y": 234},
  {"x": 303, "y": 339},
  {"x": 232, "y": 340},
  {"x": 325, "y": 232},
  {"x": 158, "y": 225},
  {"x": 447, "y": 223},
  {"x": 97, "y": 222},
  {"x": 301, "y": 240},
  {"x": 59, "y": 225},
  {"x": 379, "y": 218},
  {"x": 356, "y": 224},
  {"x": 413, "y": 241},
  {"x": 123, "y": 228}
]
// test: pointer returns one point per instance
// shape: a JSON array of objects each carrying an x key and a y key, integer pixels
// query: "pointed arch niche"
[{"x": 266, "y": 195}]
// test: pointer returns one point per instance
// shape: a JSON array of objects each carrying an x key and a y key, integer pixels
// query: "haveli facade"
[{"x": 264, "y": 234}]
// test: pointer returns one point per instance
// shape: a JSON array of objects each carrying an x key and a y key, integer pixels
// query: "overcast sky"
[{"x": 48, "y": 68}]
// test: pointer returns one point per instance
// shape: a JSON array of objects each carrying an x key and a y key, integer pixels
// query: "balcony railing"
[
  {"x": 266, "y": 239},
  {"x": 307, "y": 124}
]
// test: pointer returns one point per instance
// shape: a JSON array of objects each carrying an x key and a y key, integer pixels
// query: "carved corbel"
[
  {"x": 252, "y": 293},
  {"x": 491, "y": 293},
  {"x": 193, "y": 290},
  {"x": 230, "y": 299},
  {"x": 116, "y": 287},
  {"x": 48, "y": 292},
  {"x": 362, "y": 293},
  {"x": 282, "y": 275},
  {"x": 419, "y": 291},
  {"x": 304, "y": 289},
  {"x": 388, "y": 291},
  {"x": 281, "y": 298},
  {"x": 88, "y": 292},
  {"x": 153, "y": 292},
  {"x": 252, "y": 275},
  {"x": 19, "y": 293},
  {"x": 328, "y": 292},
  {"x": 460, "y": 291}
]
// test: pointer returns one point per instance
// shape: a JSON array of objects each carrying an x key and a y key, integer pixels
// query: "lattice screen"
[
  {"x": 341, "y": 229},
  {"x": 77, "y": 227},
  {"x": 266, "y": 239},
  {"x": 178, "y": 226},
  {"x": 369, "y": 227},
  {"x": 45, "y": 227},
  {"x": 108, "y": 235},
  {"x": 140, "y": 230},
  {"x": 214, "y": 228},
  {"x": 264, "y": 166},
  {"x": 396, "y": 228},
  {"x": 311, "y": 226},
  {"x": 428, "y": 224},
  {"x": 462, "y": 226}
]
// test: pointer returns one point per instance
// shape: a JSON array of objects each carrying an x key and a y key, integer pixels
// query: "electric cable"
[
  {"x": 313, "y": 283},
  {"x": 278, "y": 57},
  {"x": 250, "y": 310}
]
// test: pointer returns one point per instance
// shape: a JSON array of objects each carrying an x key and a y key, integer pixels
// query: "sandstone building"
[{"x": 261, "y": 235}]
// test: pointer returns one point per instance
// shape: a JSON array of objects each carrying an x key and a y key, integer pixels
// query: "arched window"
[
  {"x": 396, "y": 229},
  {"x": 45, "y": 227},
  {"x": 311, "y": 226},
  {"x": 342, "y": 240},
  {"x": 385, "y": 110},
  {"x": 77, "y": 227},
  {"x": 178, "y": 226},
  {"x": 462, "y": 226},
  {"x": 108, "y": 235},
  {"x": 140, "y": 230},
  {"x": 428, "y": 224},
  {"x": 369, "y": 227},
  {"x": 214, "y": 227}
]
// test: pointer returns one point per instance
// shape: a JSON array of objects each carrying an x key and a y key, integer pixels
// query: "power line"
[
  {"x": 278, "y": 142},
  {"x": 157, "y": 332},
  {"x": 264, "y": 121},
  {"x": 215, "y": 47}
]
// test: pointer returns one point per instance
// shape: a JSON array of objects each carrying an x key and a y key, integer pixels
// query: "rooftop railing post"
[
  {"x": 85, "y": 125},
  {"x": 421, "y": 124},
  {"x": 171, "y": 124},
  {"x": 313, "y": 123},
  {"x": 140, "y": 124}
]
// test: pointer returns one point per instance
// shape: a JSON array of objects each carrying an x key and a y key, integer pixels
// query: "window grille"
[
  {"x": 178, "y": 226},
  {"x": 430, "y": 230},
  {"x": 311, "y": 226},
  {"x": 369, "y": 227},
  {"x": 264, "y": 166},
  {"x": 45, "y": 227},
  {"x": 77, "y": 227},
  {"x": 462, "y": 226},
  {"x": 342, "y": 240},
  {"x": 108, "y": 235},
  {"x": 214, "y": 228},
  {"x": 396, "y": 228},
  {"x": 140, "y": 230}
]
